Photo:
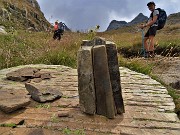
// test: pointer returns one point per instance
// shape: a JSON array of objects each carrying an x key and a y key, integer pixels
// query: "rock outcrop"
[{"x": 22, "y": 15}]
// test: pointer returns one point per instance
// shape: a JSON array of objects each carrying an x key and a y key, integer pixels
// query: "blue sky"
[{"x": 85, "y": 14}]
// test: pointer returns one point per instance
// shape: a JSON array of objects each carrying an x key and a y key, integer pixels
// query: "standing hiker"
[{"x": 153, "y": 27}]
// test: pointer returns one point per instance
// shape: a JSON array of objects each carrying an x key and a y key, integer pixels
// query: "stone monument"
[{"x": 99, "y": 83}]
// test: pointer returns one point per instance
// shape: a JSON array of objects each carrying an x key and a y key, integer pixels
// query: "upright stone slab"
[
  {"x": 115, "y": 76},
  {"x": 94, "y": 42},
  {"x": 86, "y": 80},
  {"x": 104, "y": 95}
]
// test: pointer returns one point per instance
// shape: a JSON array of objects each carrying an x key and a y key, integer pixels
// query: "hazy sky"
[{"x": 85, "y": 14}]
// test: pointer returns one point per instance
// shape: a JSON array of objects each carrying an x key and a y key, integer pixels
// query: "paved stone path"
[{"x": 148, "y": 108}]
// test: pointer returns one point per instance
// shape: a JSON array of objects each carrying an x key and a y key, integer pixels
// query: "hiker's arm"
[{"x": 151, "y": 22}]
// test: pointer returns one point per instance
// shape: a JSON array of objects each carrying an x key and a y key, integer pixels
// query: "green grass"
[
  {"x": 68, "y": 131},
  {"x": 136, "y": 65},
  {"x": 47, "y": 106},
  {"x": 8, "y": 125}
]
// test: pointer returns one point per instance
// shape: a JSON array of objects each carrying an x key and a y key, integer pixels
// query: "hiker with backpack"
[
  {"x": 58, "y": 30},
  {"x": 156, "y": 22}
]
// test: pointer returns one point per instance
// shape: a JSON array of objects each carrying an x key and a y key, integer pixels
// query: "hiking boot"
[{"x": 151, "y": 54}]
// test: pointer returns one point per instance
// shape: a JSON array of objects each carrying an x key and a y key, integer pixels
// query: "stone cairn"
[{"x": 99, "y": 78}]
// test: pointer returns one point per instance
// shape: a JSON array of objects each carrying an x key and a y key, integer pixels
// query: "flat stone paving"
[{"x": 148, "y": 108}]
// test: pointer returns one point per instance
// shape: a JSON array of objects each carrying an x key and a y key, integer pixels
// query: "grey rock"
[
  {"x": 86, "y": 88},
  {"x": 175, "y": 85},
  {"x": 42, "y": 93},
  {"x": 2, "y": 31},
  {"x": 22, "y": 74},
  {"x": 98, "y": 41},
  {"x": 95, "y": 41},
  {"x": 2, "y": 27},
  {"x": 12, "y": 99},
  {"x": 43, "y": 75},
  {"x": 104, "y": 96},
  {"x": 115, "y": 76}
]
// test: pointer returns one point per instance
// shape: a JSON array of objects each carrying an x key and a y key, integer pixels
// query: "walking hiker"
[
  {"x": 58, "y": 30},
  {"x": 156, "y": 22},
  {"x": 55, "y": 36}
]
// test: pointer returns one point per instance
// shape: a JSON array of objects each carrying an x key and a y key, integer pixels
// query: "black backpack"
[
  {"x": 161, "y": 18},
  {"x": 61, "y": 26}
]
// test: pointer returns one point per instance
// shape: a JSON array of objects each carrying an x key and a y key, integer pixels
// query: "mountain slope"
[
  {"x": 22, "y": 14},
  {"x": 173, "y": 19}
]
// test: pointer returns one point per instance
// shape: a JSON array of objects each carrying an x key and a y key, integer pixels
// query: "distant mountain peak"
[
  {"x": 138, "y": 19},
  {"x": 119, "y": 24}
]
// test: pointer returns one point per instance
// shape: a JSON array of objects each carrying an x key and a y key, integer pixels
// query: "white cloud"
[{"x": 84, "y": 14}]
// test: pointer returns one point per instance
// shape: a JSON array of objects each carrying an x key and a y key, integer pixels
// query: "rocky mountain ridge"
[
  {"x": 173, "y": 19},
  {"x": 119, "y": 24}
]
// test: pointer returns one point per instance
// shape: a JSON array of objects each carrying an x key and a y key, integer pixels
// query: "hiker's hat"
[{"x": 151, "y": 3}]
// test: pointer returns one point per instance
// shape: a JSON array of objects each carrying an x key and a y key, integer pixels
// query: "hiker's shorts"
[{"x": 151, "y": 31}]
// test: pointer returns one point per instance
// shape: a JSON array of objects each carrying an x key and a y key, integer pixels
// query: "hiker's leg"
[
  {"x": 55, "y": 34},
  {"x": 146, "y": 46},
  {"x": 59, "y": 37},
  {"x": 146, "y": 41},
  {"x": 152, "y": 33},
  {"x": 151, "y": 46}
]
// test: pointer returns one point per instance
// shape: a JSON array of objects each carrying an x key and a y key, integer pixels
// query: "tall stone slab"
[
  {"x": 87, "y": 99},
  {"x": 115, "y": 76},
  {"x": 96, "y": 41},
  {"x": 104, "y": 96}
]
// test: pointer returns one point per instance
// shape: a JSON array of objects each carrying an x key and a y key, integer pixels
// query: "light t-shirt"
[{"x": 155, "y": 13}]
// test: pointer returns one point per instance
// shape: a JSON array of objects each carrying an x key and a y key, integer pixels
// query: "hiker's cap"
[{"x": 151, "y": 3}]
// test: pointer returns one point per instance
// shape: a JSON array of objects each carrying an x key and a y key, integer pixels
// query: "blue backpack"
[{"x": 161, "y": 18}]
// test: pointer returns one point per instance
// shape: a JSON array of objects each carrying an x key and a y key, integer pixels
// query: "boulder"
[
  {"x": 42, "y": 93},
  {"x": 87, "y": 100},
  {"x": 12, "y": 99}
]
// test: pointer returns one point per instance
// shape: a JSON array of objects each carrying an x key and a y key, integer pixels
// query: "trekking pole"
[{"x": 143, "y": 49}]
